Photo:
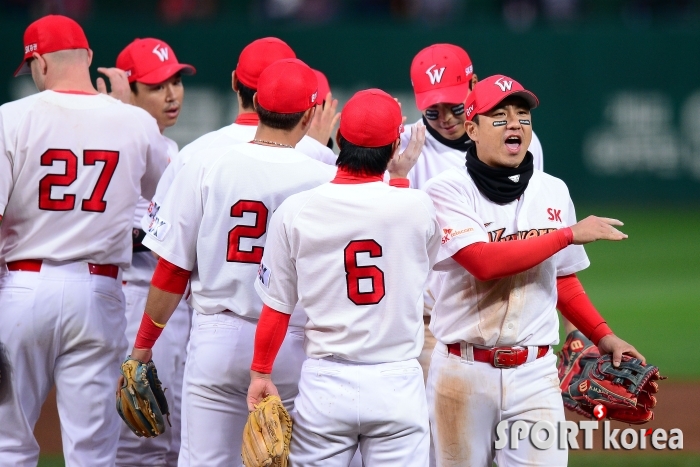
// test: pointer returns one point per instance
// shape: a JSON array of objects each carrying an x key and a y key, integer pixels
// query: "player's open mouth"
[
  {"x": 513, "y": 144},
  {"x": 172, "y": 113}
]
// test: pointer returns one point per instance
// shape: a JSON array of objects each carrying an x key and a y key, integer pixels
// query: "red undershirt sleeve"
[
  {"x": 269, "y": 335},
  {"x": 489, "y": 261},
  {"x": 574, "y": 305},
  {"x": 170, "y": 278}
]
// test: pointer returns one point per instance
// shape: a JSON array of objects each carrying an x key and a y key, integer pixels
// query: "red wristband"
[
  {"x": 170, "y": 278},
  {"x": 148, "y": 333},
  {"x": 400, "y": 182}
]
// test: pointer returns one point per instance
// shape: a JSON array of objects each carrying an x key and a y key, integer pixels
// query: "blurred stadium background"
[{"x": 619, "y": 83}]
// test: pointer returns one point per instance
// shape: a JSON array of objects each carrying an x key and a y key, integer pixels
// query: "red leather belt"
[
  {"x": 499, "y": 357},
  {"x": 34, "y": 265}
]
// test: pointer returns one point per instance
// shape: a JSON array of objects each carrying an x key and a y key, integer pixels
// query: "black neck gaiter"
[
  {"x": 460, "y": 144},
  {"x": 501, "y": 185}
]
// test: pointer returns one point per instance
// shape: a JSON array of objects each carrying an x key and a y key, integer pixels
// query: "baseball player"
[
  {"x": 361, "y": 285},
  {"x": 212, "y": 226},
  {"x": 495, "y": 316},
  {"x": 254, "y": 58},
  {"x": 149, "y": 75},
  {"x": 326, "y": 117},
  {"x": 73, "y": 163}
]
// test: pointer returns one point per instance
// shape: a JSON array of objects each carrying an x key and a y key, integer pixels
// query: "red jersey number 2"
[
  {"x": 354, "y": 273},
  {"x": 96, "y": 201},
  {"x": 234, "y": 252}
]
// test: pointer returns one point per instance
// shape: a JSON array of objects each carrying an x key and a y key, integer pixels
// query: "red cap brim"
[
  {"x": 166, "y": 72},
  {"x": 24, "y": 69},
  {"x": 450, "y": 95}
]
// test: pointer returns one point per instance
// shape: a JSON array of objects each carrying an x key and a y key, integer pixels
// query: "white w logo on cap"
[
  {"x": 434, "y": 75},
  {"x": 162, "y": 53},
  {"x": 503, "y": 84}
]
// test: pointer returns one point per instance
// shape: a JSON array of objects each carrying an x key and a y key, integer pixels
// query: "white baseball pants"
[
  {"x": 65, "y": 326},
  {"x": 169, "y": 354},
  {"x": 381, "y": 407},
  {"x": 217, "y": 376},
  {"x": 467, "y": 399}
]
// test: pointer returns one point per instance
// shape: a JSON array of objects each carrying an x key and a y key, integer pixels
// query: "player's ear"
[
  {"x": 255, "y": 100},
  {"x": 472, "y": 130},
  {"x": 89, "y": 57},
  {"x": 395, "y": 147},
  {"x": 337, "y": 139},
  {"x": 473, "y": 81},
  {"x": 40, "y": 61},
  {"x": 308, "y": 117},
  {"x": 234, "y": 81}
]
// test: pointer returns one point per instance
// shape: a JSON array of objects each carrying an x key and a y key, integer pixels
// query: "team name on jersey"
[{"x": 497, "y": 235}]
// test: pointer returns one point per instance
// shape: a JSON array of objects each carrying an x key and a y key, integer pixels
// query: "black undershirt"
[
  {"x": 461, "y": 144},
  {"x": 501, "y": 185}
]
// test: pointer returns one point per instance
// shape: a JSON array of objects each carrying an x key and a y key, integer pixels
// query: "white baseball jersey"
[
  {"x": 143, "y": 263},
  {"x": 436, "y": 157},
  {"x": 516, "y": 310},
  {"x": 214, "y": 219},
  {"x": 356, "y": 257},
  {"x": 225, "y": 137},
  {"x": 70, "y": 178}
]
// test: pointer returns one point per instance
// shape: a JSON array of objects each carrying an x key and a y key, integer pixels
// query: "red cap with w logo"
[
  {"x": 489, "y": 92},
  {"x": 51, "y": 34},
  {"x": 150, "y": 61},
  {"x": 438, "y": 76}
]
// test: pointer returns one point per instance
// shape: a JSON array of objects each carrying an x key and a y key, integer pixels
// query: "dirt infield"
[{"x": 677, "y": 408}]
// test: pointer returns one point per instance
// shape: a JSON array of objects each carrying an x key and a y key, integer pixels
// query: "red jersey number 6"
[{"x": 354, "y": 273}]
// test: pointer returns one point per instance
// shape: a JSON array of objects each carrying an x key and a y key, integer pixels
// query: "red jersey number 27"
[
  {"x": 371, "y": 275},
  {"x": 234, "y": 252},
  {"x": 96, "y": 201}
]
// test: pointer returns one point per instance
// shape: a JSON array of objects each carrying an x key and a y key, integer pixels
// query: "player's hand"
[
  {"x": 594, "y": 228},
  {"x": 324, "y": 121},
  {"x": 260, "y": 387},
  {"x": 118, "y": 81},
  {"x": 142, "y": 355},
  {"x": 611, "y": 344},
  {"x": 401, "y": 164}
]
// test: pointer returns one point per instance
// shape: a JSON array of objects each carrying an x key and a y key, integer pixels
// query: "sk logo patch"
[{"x": 514, "y": 178}]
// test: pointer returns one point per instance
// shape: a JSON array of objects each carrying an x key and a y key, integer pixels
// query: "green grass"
[
  {"x": 648, "y": 286},
  {"x": 51, "y": 461},
  {"x": 634, "y": 460}
]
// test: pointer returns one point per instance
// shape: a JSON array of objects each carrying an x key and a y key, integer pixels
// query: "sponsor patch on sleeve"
[
  {"x": 264, "y": 275},
  {"x": 158, "y": 228},
  {"x": 449, "y": 234}
]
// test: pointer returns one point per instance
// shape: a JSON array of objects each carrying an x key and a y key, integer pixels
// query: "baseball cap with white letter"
[
  {"x": 150, "y": 61},
  {"x": 438, "y": 75},
  {"x": 51, "y": 34},
  {"x": 489, "y": 92}
]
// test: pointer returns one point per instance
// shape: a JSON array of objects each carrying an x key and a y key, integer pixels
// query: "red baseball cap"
[
  {"x": 489, "y": 92},
  {"x": 287, "y": 86},
  {"x": 437, "y": 75},
  {"x": 51, "y": 34},
  {"x": 323, "y": 87},
  {"x": 150, "y": 61},
  {"x": 257, "y": 56},
  {"x": 371, "y": 119},
  {"x": 463, "y": 57}
]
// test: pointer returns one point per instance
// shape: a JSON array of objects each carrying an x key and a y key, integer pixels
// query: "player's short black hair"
[
  {"x": 358, "y": 159},
  {"x": 476, "y": 119},
  {"x": 246, "y": 94},
  {"x": 133, "y": 87},
  {"x": 277, "y": 121}
]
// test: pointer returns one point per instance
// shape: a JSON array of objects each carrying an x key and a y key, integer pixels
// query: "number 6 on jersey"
[{"x": 356, "y": 275}]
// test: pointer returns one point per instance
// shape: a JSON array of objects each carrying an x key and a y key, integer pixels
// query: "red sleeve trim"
[
  {"x": 170, "y": 278},
  {"x": 489, "y": 261},
  {"x": 148, "y": 333},
  {"x": 272, "y": 327},
  {"x": 400, "y": 182},
  {"x": 574, "y": 304}
]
